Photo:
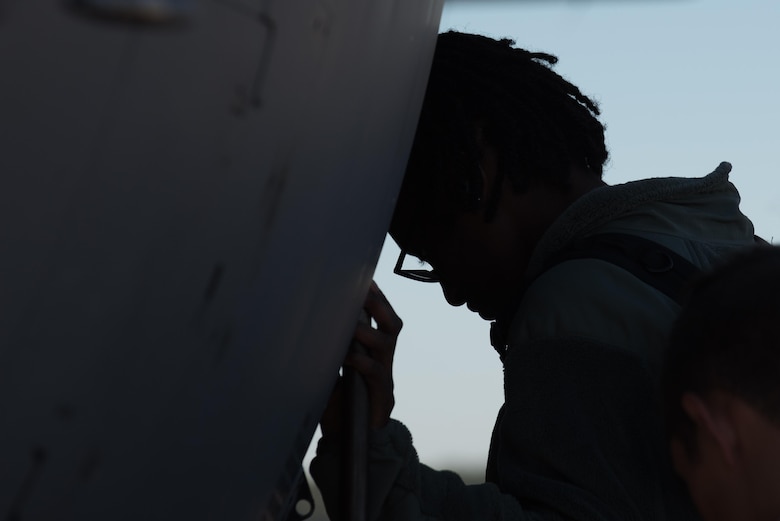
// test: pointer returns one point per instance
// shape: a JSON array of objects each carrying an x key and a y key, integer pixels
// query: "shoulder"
[{"x": 594, "y": 300}]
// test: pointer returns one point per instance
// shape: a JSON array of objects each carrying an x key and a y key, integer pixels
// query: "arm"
[
  {"x": 401, "y": 488},
  {"x": 578, "y": 439}
]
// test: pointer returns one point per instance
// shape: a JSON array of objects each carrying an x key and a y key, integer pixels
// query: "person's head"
[
  {"x": 722, "y": 389},
  {"x": 498, "y": 139}
]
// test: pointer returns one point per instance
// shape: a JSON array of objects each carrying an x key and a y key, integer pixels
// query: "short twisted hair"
[{"x": 538, "y": 123}]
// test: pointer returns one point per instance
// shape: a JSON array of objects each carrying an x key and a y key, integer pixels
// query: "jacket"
[{"x": 579, "y": 436}]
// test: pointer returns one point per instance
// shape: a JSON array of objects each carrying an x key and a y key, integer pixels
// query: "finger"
[
  {"x": 379, "y": 383},
  {"x": 382, "y": 311},
  {"x": 378, "y": 344},
  {"x": 364, "y": 364},
  {"x": 378, "y": 378}
]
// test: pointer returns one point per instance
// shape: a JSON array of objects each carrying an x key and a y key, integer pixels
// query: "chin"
[{"x": 486, "y": 314}]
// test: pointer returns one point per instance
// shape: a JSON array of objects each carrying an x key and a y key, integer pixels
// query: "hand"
[{"x": 375, "y": 365}]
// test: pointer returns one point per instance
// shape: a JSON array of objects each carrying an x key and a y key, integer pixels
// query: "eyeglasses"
[{"x": 420, "y": 275}]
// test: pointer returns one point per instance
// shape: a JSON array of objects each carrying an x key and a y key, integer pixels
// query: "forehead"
[
  {"x": 421, "y": 221},
  {"x": 431, "y": 196},
  {"x": 409, "y": 225}
]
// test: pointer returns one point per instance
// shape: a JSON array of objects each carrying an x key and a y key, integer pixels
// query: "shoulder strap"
[{"x": 652, "y": 263}]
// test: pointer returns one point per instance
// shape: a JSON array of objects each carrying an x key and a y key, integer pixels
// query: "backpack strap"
[{"x": 652, "y": 263}]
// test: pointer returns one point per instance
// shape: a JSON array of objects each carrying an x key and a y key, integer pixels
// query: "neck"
[{"x": 582, "y": 181}]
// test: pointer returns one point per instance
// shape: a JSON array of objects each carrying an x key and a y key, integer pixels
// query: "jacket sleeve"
[{"x": 401, "y": 488}]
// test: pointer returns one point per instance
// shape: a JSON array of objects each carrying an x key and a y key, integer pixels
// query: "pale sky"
[{"x": 682, "y": 84}]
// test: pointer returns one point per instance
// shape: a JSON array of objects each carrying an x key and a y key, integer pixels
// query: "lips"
[{"x": 476, "y": 308}]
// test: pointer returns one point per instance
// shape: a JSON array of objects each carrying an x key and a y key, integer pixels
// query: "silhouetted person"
[
  {"x": 722, "y": 390},
  {"x": 503, "y": 181}
]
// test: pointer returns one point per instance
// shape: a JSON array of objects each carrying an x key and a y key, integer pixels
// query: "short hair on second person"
[{"x": 727, "y": 337}]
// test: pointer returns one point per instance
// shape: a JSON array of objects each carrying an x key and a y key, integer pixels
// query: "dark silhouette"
[{"x": 503, "y": 198}]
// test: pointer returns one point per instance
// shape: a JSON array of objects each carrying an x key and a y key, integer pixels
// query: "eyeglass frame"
[{"x": 417, "y": 275}]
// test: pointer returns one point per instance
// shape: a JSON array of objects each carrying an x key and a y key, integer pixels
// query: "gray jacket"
[{"x": 579, "y": 436}]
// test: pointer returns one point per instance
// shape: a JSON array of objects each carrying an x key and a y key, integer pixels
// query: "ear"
[
  {"x": 714, "y": 423},
  {"x": 488, "y": 169}
]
